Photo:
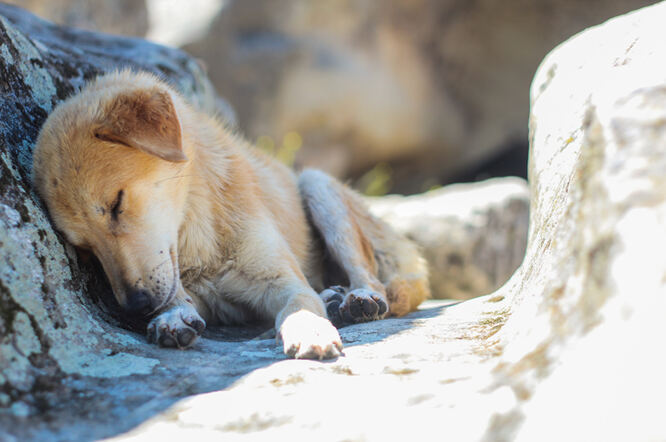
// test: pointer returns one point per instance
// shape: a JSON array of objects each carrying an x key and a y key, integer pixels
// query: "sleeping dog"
[{"x": 193, "y": 225}]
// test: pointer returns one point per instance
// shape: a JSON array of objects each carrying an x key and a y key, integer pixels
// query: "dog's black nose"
[{"x": 138, "y": 302}]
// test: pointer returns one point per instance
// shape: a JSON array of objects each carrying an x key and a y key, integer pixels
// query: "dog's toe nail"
[
  {"x": 197, "y": 324},
  {"x": 292, "y": 351}
]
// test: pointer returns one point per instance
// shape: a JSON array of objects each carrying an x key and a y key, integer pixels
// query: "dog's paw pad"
[
  {"x": 166, "y": 340},
  {"x": 363, "y": 305},
  {"x": 370, "y": 308},
  {"x": 308, "y": 336},
  {"x": 381, "y": 304},
  {"x": 186, "y": 336},
  {"x": 177, "y": 327}
]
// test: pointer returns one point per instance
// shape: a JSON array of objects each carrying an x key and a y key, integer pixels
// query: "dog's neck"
[{"x": 215, "y": 182}]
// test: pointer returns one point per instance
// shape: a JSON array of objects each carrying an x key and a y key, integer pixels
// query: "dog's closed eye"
[{"x": 115, "y": 207}]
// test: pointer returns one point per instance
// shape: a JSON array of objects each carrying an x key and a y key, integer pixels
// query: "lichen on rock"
[{"x": 50, "y": 324}]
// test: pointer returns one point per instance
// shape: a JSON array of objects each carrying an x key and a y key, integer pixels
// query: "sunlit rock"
[{"x": 472, "y": 235}]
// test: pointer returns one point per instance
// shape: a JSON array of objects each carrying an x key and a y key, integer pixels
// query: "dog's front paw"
[
  {"x": 177, "y": 327},
  {"x": 354, "y": 306},
  {"x": 308, "y": 336},
  {"x": 363, "y": 305}
]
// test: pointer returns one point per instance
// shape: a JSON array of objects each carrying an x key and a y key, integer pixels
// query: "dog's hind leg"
[{"x": 385, "y": 273}]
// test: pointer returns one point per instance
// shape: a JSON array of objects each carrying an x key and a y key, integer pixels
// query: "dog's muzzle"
[{"x": 139, "y": 302}]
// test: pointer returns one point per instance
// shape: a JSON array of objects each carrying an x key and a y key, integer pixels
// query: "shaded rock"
[
  {"x": 124, "y": 17},
  {"x": 434, "y": 88},
  {"x": 51, "y": 324},
  {"x": 472, "y": 235}
]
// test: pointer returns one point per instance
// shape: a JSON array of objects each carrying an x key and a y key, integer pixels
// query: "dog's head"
[{"x": 109, "y": 164}]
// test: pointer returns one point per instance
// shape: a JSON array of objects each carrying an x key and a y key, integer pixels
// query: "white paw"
[
  {"x": 178, "y": 327},
  {"x": 308, "y": 336}
]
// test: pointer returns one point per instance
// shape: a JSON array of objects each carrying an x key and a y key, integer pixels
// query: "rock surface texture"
[
  {"x": 433, "y": 87},
  {"x": 51, "y": 324},
  {"x": 124, "y": 17},
  {"x": 570, "y": 348},
  {"x": 472, "y": 235}
]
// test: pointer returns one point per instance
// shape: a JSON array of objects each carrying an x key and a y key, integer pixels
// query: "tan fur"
[{"x": 186, "y": 214}]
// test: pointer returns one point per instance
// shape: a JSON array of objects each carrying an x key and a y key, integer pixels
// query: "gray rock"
[
  {"x": 472, "y": 235},
  {"x": 433, "y": 88},
  {"x": 124, "y": 17},
  {"x": 53, "y": 323}
]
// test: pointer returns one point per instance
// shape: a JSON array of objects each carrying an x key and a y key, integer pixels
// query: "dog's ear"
[{"x": 145, "y": 120}]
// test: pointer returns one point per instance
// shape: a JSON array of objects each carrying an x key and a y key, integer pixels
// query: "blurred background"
[{"x": 393, "y": 96}]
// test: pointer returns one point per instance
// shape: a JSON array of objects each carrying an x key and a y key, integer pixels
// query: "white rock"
[{"x": 472, "y": 235}]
